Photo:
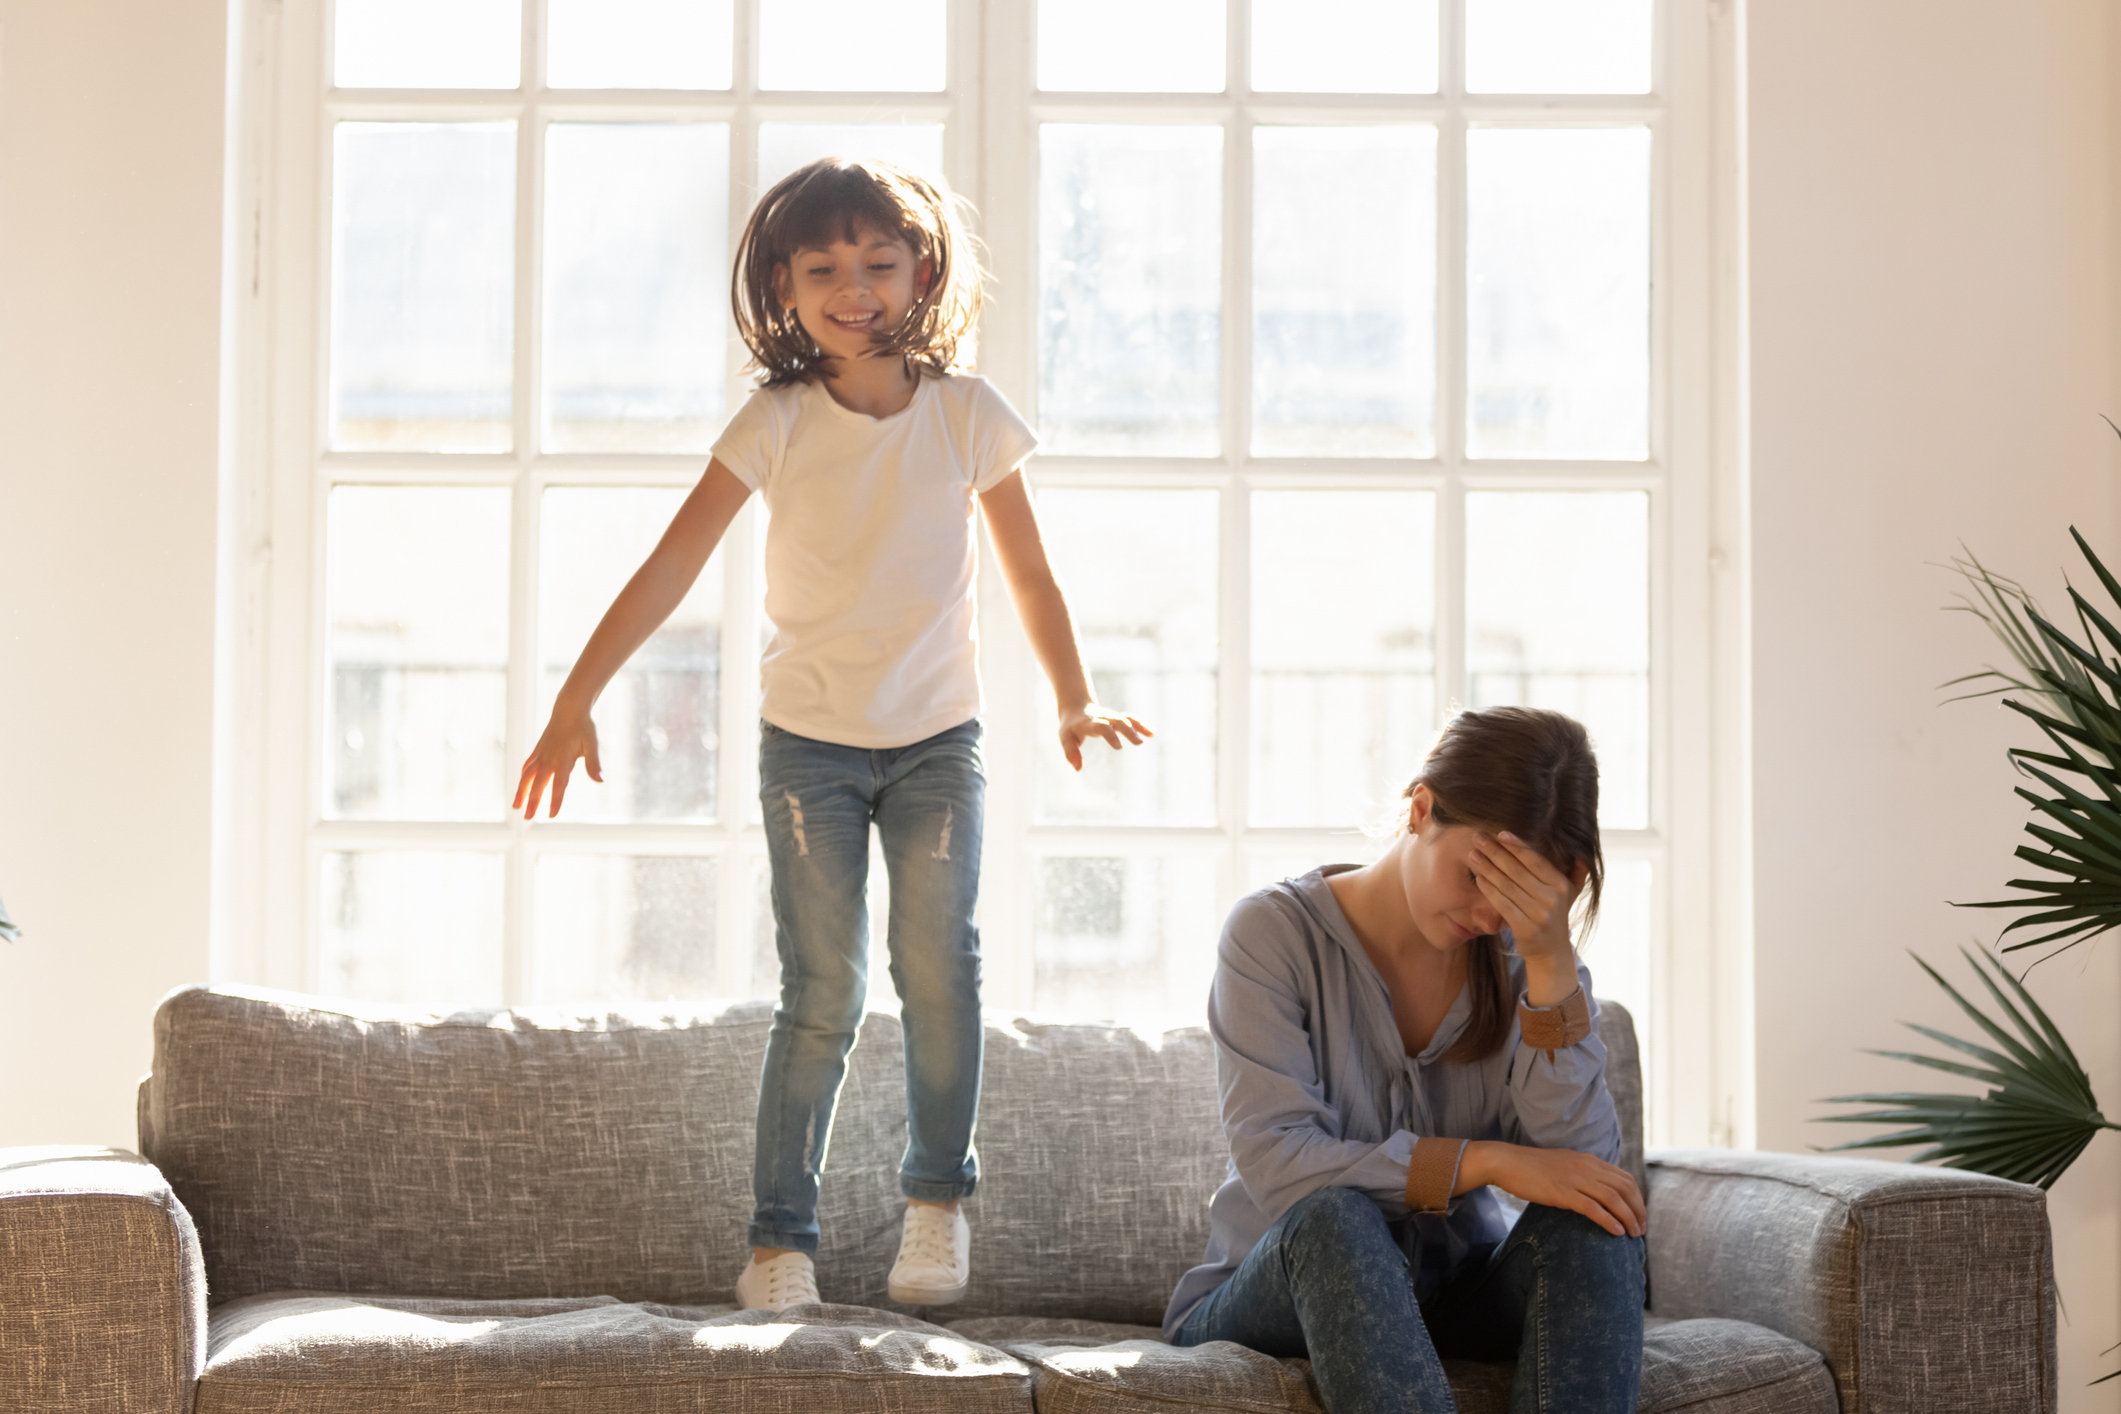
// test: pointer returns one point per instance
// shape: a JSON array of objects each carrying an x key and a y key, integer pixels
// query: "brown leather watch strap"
[
  {"x": 1555, "y": 1028},
  {"x": 1432, "y": 1173}
]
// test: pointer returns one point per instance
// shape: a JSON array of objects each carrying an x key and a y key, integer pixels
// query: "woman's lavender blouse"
[{"x": 1317, "y": 1088}]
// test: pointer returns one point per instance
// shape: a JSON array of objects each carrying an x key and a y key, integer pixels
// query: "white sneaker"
[
  {"x": 934, "y": 1257},
  {"x": 788, "y": 1280}
]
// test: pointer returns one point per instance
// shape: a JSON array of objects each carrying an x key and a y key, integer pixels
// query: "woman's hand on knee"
[{"x": 1559, "y": 1178}]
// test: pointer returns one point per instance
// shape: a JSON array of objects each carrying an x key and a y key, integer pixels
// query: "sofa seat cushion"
[
  {"x": 1088, "y": 1367},
  {"x": 320, "y": 1354},
  {"x": 1730, "y": 1367}
]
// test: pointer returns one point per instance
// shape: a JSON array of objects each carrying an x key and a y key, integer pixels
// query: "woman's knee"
[
  {"x": 1344, "y": 1220},
  {"x": 1570, "y": 1240}
]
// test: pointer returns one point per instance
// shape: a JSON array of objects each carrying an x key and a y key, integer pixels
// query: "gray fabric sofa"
[{"x": 348, "y": 1208}]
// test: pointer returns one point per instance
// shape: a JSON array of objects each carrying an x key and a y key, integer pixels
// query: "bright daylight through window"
[{"x": 1342, "y": 328}]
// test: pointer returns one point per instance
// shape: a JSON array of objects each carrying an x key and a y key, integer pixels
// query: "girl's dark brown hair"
[
  {"x": 832, "y": 199},
  {"x": 1531, "y": 772}
]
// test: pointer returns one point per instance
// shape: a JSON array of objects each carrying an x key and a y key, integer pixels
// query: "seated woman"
[{"x": 1395, "y": 1042}]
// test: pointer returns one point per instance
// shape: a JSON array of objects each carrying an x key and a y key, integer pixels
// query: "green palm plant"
[
  {"x": 2039, "y": 1111},
  {"x": 2077, "y": 688}
]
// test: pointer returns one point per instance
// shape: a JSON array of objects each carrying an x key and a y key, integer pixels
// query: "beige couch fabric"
[
  {"x": 596, "y": 1166},
  {"x": 321, "y": 1353},
  {"x": 1085, "y": 1367},
  {"x": 102, "y": 1294},
  {"x": 1877, "y": 1266}
]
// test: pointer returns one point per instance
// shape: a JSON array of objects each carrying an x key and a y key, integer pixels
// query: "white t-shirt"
[{"x": 870, "y": 553}]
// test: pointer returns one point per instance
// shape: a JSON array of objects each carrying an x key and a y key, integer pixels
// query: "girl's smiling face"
[{"x": 848, "y": 293}]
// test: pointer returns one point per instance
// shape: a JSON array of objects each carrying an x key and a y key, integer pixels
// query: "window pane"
[
  {"x": 1558, "y": 46},
  {"x": 1139, "y": 567},
  {"x": 659, "y": 722},
  {"x": 416, "y": 601},
  {"x": 1558, "y": 615},
  {"x": 1558, "y": 292},
  {"x": 1343, "y": 653},
  {"x": 1343, "y": 361},
  {"x": 1131, "y": 46},
  {"x": 783, "y": 147},
  {"x": 624, "y": 928},
  {"x": 409, "y": 927},
  {"x": 427, "y": 43},
  {"x": 897, "y": 46},
  {"x": 637, "y": 236},
  {"x": 423, "y": 287},
  {"x": 638, "y": 43},
  {"x": 1305, "y": 46},
  {"x": 1618, "y": 953},
  {"x": 1130, "y": 289},
  {"x": 1129, "y": 939}
]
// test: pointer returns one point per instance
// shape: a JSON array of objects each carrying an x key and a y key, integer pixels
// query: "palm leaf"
[
  {"x": 2037, "y": 1115},
  {"x": 2071, "y": 691},
  {"x": 8, "y": 931}
]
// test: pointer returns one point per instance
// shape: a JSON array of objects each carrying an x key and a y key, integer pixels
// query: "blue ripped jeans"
[
  {"x": 927, "y": 801},
  {"x": 1561, "y": 1296}
]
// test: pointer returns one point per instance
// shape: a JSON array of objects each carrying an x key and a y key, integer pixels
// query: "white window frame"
[{"x": 270, "y": 837}]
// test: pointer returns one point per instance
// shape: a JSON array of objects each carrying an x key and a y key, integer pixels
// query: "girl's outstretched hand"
[
  {"x": 567, "y": 740},
  {"x": 1533, "y": 897},
  {"x": 1078, "y": 725},
  {"x": 1560, "y": 1178}
]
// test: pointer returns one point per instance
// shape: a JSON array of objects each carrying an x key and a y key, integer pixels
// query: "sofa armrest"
[
  {"x": 1924, "y": 1288},
  {"x": 102, "y": 1288}
]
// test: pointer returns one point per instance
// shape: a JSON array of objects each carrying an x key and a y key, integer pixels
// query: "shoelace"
[
  {"x": 928, "y": 1234},
  {"x": 788, "y": 1283}
]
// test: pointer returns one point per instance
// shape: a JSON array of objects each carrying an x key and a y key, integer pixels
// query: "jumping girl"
[
  {"x": 1391, "y": 1041},
  {"x": 857, "y": 290}
]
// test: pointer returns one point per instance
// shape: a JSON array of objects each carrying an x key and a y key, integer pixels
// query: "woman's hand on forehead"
[{"x": 1533, "y": 897}]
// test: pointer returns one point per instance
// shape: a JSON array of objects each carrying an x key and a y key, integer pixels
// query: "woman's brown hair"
[
  {"x": 1531, "y": 772},
  {"x": 832, "y": 199}
]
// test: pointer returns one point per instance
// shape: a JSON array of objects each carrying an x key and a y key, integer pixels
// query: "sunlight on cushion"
[
  {"x": 351, "y": 1326},
  {"x": 1096, "y": 1362},
  {"x": 767, "y": 1337}
]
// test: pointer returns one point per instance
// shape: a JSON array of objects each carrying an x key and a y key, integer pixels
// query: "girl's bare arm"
[
  {"x": 1012, "y": 525},
  {"x": 656, "y": 588}
]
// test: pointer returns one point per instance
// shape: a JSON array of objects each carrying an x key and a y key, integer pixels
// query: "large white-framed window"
[{"x": 1382, "y": 357}]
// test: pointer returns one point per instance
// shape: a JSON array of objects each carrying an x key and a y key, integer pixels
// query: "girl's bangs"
[{"x": 833, "y": 206}]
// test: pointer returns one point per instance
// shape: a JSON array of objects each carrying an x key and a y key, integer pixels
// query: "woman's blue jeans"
[
  {"x": 927, "y": 801},
  {"x": 1561, "y": 1296}
]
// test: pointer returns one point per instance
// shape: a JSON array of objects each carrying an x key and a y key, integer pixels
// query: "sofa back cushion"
[{"x": 330, "y": 1146}]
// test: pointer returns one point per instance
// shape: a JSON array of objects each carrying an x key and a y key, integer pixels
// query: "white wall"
[
  {"x": 110, "y": 250},
  {"x": 1932, "y": 341}
]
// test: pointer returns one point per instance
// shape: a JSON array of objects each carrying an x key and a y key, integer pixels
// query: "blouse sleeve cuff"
[
  {"x": 1558, "y": 1027},
  {"x": 1432, "y": 1174}
]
